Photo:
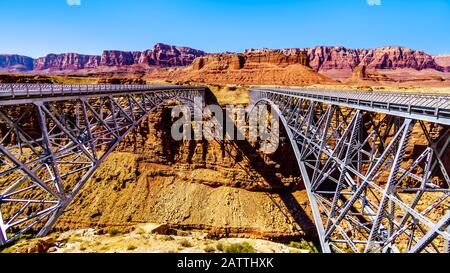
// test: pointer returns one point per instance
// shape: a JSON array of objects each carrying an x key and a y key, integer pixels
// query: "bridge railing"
[
  {"x": 28, "y": 90},
  {"x": 436, "y": 106}
]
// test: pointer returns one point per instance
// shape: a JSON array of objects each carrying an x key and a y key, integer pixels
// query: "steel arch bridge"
[
  {"x": 53, "y": 138},
  {"x": 375, "y": 166}
]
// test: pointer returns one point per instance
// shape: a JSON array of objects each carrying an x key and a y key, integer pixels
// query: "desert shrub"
[
  {"x": 131, "y": 247},
  {"x": 114, "y": 232},
  {"x": 240, "y": 248},
  {"x": 220, "y": 247},
  {"x": 185, "y": 243},
  {"x": 181, "y": 233},
  {"x": 210, "y": 249},
  {"x": 304, "y": 245},
  {"x": 167, "y": 238},
  {"x": 74, "y": 239}
]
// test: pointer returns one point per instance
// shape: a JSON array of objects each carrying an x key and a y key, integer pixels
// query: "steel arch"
[
  {"x": 358, "y": 177},
  {"x": 55, "y": 139}
]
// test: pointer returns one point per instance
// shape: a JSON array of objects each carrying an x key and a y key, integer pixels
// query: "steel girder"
[
  {"x": 377, "y": 182},
  {"x": 53, "y": 142}
]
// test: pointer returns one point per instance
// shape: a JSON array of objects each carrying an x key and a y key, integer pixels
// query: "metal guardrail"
[
  {"x": 433, "y": 107},
  {"x": 11, "y": 91}
]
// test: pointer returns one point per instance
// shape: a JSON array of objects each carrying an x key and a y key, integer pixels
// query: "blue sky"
[{"x": 38, "y": 27}]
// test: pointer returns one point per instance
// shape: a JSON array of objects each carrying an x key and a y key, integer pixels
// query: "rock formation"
[
  {"x": 444, "y": 61},
  {"x": 68, "y": 61},
  {"x": 117, "y": 58},
  {"x": 15, "y": 63},
  {"x": 223, "y": 188},
  {"x": 167, "y": 56},
  {"x": 161, "y": 55},
  {"x": 294, "y": 66},
  {"x": 338, "y": 63},
  {"x": 277, "y": 67},
  {"x": 280, "y": 58},
  {"x": 324, "y": 58}
]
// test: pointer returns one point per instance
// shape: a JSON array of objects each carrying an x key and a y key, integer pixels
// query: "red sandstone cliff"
[
  {"x": 274, "y": 67},
  {"x": 15, "y": 63},
  {"x": 444, "y": 61},
  {"x": 396, "y": 64},
  {"x": 68, "y": 61},
  {"x": 326, "y": 58},
  {"x": 162, "y": 55}
]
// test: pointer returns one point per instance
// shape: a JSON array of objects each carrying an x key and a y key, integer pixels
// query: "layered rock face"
[
  {"x": 326, "y": 58},
  {"x": 68, "y": 61},
  {"x": 162, "y": 56},
  {"x": 280, "y": 58},
  {"x": 117, "y": 58},
  {"x": 290, "y": 66},
  {"x": 15, "y": 63},
  {"x": 167, "y": 56},
  {"x": 225, "y": 188},
  {"x": 444, "y": 61},
  {"x": 285, "y": 67}
]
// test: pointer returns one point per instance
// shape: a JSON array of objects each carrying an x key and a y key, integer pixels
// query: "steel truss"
[
  {"x": 55, "y": 137},
  {"x": 378, "y": 181}
]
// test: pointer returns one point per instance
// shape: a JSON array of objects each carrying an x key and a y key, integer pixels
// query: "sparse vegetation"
[
  {"x": 240, "y": 248},
  {"x": 181, "y": 233},
  {"x": 209, "y": 249},
  {"x": 114, "y": 232},
  {"x": 185, "y": 243},
  {"x": 304, "y": 245},
  {"x": 131, "y": 247},
  {"x": 167, "y": 238},
  {"x": 220, "y": 247},
  {"x": 74, "y": 239}
]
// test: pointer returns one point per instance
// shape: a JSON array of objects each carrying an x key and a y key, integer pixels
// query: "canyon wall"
[
  {"x": 69, "y": 61},
  {"x": 15, "y": 63},
  {"x": 294, "y": 66},
  {"x": 319, "y": 65},
  {"x": 326, "y": 58},
  {"x": 276, "y": 67},
  {"x": 161, "y": 55},
  {"x": 443, "y": 60},
  {"x": 224, "y": 188}
]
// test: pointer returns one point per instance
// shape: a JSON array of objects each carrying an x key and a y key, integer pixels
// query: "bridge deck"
[
  {"x": 12, "y": 92},
  {"x": 433, "y": 107}
]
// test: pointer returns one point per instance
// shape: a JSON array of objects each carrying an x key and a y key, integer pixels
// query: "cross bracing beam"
[
  {"x": 54, "y": 137},
  {"x": 376, "y": 174}
]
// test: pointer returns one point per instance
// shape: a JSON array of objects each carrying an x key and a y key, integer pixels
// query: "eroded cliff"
[{"x": 223, "y": 188}]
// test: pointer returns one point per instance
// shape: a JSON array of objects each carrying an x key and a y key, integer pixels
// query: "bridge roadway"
[
  {"x": 427, "y": 107},
  {"x": 370, "y": 188},
  {"x": 11, "y": 94}
]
